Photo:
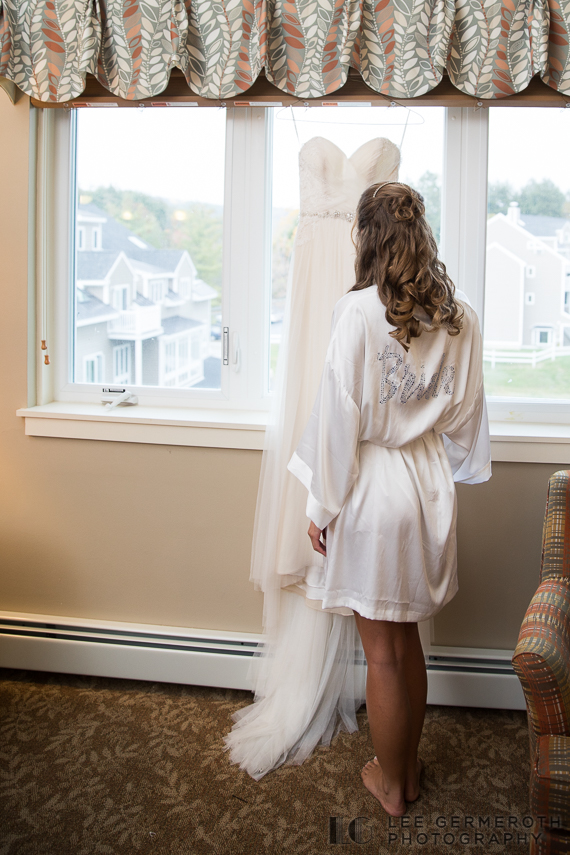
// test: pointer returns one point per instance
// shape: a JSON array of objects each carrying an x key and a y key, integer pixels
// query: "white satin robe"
[{"x": 389, "y": 434}]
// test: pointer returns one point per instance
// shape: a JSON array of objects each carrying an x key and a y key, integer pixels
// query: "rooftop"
[
  {"x": 89, "y": 309},
  {"x": 542, "y": 226}
]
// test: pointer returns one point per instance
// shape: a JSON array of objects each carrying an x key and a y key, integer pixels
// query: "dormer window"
[
  {"x": 185, "y": 287},
  {"x": 120, "y": 297},
  {"x": 157, "y": 289},
  {"x": 80, "y": 238},
  {"x": 96, "y": 238}
]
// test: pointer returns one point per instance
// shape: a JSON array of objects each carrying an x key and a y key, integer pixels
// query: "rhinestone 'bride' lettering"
[
  {"x": 389, "y": 387},
  {"x": 391, "y": 383}
]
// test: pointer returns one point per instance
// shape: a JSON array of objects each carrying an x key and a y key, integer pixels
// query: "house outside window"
[{"x": 525, "y": 333}]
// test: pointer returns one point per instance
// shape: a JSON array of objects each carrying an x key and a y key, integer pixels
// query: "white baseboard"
[{"x": 456, "y": 676}]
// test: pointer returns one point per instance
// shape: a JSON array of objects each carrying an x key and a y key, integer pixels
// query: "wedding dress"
[{"x": 309, "y": 678}]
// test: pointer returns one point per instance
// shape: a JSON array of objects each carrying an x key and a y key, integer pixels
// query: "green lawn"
[{"x": 548, "y": 380}]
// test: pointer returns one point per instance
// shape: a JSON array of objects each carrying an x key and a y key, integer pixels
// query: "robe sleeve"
[
  {"x": 467, "y": 442},
  {"x": 326, "y": 459},
  {"x": 469, "y": 448}
]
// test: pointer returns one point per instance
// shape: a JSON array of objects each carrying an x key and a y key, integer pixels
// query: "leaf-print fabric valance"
[{"x": 400, "y": 47}]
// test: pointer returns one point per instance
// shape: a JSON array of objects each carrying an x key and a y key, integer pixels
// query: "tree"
[
  {"x": 193, "y": 226},
  {"x": 200, "y": 233},
  {"x": 536, "y": 197},
  {"x": 430, "y": 187},
  {"x": 283, "y": 240},
  {"x": 500, "y": 194},
  {"x": 542, "y": 197},
  {"x": 146, "y": 216}
]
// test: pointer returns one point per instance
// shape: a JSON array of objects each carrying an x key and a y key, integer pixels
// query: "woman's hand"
[{"x": 315, "y": 535}]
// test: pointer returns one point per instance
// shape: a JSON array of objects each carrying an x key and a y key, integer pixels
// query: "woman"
[{"x": 400, "y": 414}]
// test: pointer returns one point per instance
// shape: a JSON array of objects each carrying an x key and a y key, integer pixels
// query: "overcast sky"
[{"x": 178, "y": 153}]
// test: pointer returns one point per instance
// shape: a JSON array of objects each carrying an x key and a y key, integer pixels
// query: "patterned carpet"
[{"x": 91, "y": 765}]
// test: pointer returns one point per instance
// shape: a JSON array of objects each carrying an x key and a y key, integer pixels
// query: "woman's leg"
[{"x": 395, "y": 700}]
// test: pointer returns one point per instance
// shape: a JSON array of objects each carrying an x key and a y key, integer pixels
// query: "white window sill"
[
  {"x": 156, "y": 425},
  {"x": 530, "y": 442},
  {"x": 510, "y": 441}
]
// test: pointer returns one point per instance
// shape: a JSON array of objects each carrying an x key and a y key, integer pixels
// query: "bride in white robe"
[
  {"x": 309, "y": 682},
  {"x": 404, "y": 368}
]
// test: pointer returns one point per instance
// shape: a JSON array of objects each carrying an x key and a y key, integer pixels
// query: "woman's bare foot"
[
  {"x": 374, "y": 782},
  {"x": 412, "y": 788}
]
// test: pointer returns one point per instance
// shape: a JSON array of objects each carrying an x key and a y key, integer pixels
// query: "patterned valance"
[{"x": 400, "y": 47}]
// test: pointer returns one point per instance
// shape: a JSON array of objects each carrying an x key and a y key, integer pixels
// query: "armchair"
[{"x": 542, "y": 663}]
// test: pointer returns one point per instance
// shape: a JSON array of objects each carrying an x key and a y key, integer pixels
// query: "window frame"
[
  {"x": 518, "y": 425},
  {"x": 246, "y": 291},
  {"x": 464, "y": 241}
]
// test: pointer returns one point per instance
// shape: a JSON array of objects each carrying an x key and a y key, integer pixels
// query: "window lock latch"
[
  {"x": 226, "y": 346},
  {"x": 125, "y": 397}
]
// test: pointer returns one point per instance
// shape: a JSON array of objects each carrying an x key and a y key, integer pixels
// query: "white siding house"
[
  {"x": 142, "y": 314},
  {"x": 527, "y": 291}
]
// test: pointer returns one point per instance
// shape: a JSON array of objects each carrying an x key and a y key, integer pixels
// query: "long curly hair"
[{"x": 396, "y": 250}]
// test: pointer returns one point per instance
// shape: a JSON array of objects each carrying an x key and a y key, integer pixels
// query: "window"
[
  {"x": 542, "y": 336},
  {"x": 122, "y": 364},
  {"x": 157, "y": 290},
  {"x": 167, "y": 250},
  {"x": 184, "y": 287},
  {"x": 93, "y": 368},
  {"x": 526, "y": 349},
  {"x": 177, "y": 265},
  {"x": 119, "y": 297}
]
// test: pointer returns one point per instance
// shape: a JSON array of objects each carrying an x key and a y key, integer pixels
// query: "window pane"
[
  {"x": 527, "y": 288},
  {"x": 420, "y": 135},
  {"x": 148, "y": 272}
]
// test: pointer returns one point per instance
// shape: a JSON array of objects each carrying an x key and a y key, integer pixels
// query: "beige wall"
[
  {"x": 143, "y": 533},
  {"x": 158, "y": 534},
  {"x": 499, "y": 548}
]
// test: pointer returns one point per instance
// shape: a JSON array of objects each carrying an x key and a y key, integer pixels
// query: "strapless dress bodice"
[{"x": 332, "y": 183}]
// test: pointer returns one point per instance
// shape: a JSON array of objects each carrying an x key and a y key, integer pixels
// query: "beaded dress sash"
[{"x": 343, "y": 214}]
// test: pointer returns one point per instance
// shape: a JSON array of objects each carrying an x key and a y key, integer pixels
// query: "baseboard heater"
[{"x": 470, "y": 677}]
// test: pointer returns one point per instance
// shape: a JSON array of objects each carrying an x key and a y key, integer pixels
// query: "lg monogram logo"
[{"x": 356, "y": 831}]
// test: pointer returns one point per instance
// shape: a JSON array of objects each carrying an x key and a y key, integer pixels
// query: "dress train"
[{"x": 309, "y": 677}]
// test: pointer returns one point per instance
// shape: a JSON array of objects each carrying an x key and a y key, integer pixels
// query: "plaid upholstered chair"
[{"x": 542, "y": 663}]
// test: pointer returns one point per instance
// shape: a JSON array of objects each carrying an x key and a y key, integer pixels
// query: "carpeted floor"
[{"x": 92, "y": 765}]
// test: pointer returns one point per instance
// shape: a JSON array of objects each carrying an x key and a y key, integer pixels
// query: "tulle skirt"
[{"x": 310, "y": 685}]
